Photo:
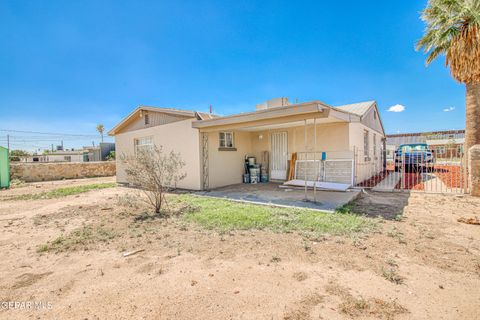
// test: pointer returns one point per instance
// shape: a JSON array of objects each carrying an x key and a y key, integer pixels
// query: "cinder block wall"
[
  {"x": 474, "y": 162},
  {"x": 34, "y": 172}
]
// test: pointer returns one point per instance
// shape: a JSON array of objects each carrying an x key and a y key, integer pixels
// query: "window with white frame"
[
  {"x": 143, "y": 143},
  {"x": 366, "y": 145},
  {"x": 226, "y": 140},
  {"x": 146, "y": 119},
  {"x": 374, "y": 145}
]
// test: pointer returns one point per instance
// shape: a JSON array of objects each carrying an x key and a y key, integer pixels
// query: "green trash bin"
[{"x": 4, "y": 168}]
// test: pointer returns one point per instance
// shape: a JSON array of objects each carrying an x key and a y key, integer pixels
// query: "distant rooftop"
[{"x": 413, "y": 134}]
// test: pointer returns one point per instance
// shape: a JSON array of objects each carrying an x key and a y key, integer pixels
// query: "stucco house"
[{"x": 340, "y": 144}]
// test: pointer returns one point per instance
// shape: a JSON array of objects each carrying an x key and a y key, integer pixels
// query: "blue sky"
[{"x": 67, "y": 65}]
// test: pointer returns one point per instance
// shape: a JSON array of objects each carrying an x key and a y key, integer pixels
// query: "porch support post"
[
  {"x": 315, "y": 159},
  {"x": 205, "y": 169},
  {"x": 306, "y": 157}
]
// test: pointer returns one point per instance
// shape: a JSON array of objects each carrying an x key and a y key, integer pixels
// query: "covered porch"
[{"x": 309, "y": 142}]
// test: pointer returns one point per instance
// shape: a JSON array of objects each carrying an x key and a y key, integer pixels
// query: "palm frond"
[{"x": 452, "y": 29}]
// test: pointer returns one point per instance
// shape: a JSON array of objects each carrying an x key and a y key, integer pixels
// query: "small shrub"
[
  {"x": 391, "y": 263},
  {"x": 43, "y": 248},
  {"x": 156, "y": 172},
  {"x": 391, "y": 275},
  {"x": 275, "y": 259}
]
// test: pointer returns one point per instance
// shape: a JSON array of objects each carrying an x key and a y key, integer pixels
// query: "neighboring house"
[
  {"x": 87, "y": 154},
  {"x": 56, "y": 156},
  {"x": 214, "y": 148},
  {"x": 445, "y": 144}
]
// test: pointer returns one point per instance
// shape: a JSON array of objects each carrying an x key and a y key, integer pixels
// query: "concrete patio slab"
[
  {"x": 388, "y": 184},
  {"x": 272, "y": 194}
]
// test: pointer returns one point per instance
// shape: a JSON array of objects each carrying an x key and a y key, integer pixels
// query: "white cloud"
[
  {"x": 396, "y": 108},
  {"x": 449, "y": 109}
]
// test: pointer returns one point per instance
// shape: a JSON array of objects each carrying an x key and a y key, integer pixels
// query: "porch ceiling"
[{"x": 319, "y": 121}]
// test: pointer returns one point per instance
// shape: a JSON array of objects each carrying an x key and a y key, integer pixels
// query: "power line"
[
  {"x": 19, "y": 139},
  {"x": 50, "y": 133}
]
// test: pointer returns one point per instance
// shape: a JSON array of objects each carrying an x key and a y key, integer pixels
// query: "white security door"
[{"x": 279, "y": 156}]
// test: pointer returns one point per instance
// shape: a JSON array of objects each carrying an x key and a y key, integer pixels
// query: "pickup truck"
[{"x": 414, "y": 157}]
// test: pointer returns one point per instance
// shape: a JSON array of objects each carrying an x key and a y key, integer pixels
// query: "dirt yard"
[{"x": 67, "y": 253}]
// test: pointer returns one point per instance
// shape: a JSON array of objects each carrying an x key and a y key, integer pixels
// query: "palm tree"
[
  {"x": 453, "y": 30},
  {"x": 100, "y": 129}
]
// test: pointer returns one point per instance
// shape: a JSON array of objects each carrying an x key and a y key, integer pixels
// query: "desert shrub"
[{"x": 155, "y": 172}]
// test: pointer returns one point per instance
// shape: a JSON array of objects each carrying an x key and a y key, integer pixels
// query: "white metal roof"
[{"x": 357, "y": 108}]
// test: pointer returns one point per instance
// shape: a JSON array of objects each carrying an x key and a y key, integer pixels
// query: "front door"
[{"x": 279, "y": 156}]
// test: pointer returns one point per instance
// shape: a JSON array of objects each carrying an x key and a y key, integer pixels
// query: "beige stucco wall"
[
  {"x": 226, "y": 167},
  {"x": 369, "y": 120},
  {"x": 365, "y": 169},
  {"x": 177, "y": 136},
  {"x": 33, "y": 172},
  {"x": 331, "y": 138}
]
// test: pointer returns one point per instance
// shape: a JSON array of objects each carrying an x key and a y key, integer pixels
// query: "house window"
[
  {"x": 147, "y": 119},
  {"x": 366, "y": 145},
  {"x": 67, "y": 158},
  {"x": 375, "y": 114},
  {"x": 226, "y": 140},
  {"x": 145, "y": 143},
  {"x": 374, "y": 145},
  {"x": 440, "y": 149}
]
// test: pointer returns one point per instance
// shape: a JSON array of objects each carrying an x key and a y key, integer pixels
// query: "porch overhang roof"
[{"x": 291, "y": 113}]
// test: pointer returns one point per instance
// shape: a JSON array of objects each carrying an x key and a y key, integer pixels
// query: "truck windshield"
[{"x": 411, "y": 148}]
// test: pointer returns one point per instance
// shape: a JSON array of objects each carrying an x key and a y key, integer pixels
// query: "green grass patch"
[
  {"x": 63, "y": 192},
  {"x": 224, "y": 215},
  {"x": 80, "y": 239}
]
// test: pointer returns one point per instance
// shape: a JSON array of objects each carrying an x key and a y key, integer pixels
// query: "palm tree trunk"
[{"x": 472, "y": 127}]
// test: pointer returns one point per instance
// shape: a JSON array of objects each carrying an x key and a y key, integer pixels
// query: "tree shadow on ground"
[
  {"x": 167, "y": 212},
  {"x": 389, "y": 205}
]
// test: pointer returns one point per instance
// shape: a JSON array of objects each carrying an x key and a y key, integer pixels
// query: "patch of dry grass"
[
  {"x": 80, "y": 239},
  {"x": 359, "y": 306},
  {"x": 63, "y": 192}
]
